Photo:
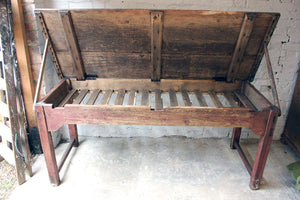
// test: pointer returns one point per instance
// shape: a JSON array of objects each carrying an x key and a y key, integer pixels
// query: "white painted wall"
[{"x": 284, "y": 51}]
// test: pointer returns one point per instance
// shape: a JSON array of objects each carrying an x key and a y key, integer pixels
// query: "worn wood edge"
[
  {"x": 241, "y": 45},
  {"x": 72, "y": 42},
  {"x": 156, "y": 43},
  {"x": 163, "y": 84},
  {"x": 44, "y": 31},
  {"x": 265, "y": 42}
]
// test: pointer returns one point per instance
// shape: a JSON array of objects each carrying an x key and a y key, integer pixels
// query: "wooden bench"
[{"x": 157, "y": 67}]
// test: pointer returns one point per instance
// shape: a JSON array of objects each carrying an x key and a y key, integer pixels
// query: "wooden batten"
[
  {"x": 72, "y": 43},
  {"x": 240, "y": 47},
  {"x": 156, "y": 44},
  {"x": 44, "y": 30},
  {"x": 264, "y": 43}
]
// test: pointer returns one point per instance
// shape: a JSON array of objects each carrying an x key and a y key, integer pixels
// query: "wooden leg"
[
  {"x": 262, "y": 152},
  {"x": 73, "y": 133},
  {"x": 236, "y": 134},
  {"x": 47, "y": 146}
]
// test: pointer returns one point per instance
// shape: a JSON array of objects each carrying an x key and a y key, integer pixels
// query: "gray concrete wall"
[{"x": 284, "y": 51}]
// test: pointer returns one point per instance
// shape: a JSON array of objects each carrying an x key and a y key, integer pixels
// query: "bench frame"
[{"x": 248, "y": 107}]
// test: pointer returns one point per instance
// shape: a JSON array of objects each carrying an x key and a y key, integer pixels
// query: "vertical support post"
[
  {"x": 156, "y": 44},
  {"x": 73, "y": 134},
  {"x": 47, "y": 145},
  {"x": 262, "y": 151},
  {"x": 236, "y": 134}
]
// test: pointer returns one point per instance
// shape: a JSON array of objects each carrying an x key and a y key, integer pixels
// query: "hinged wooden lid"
[{"x": 163, "y": 44}]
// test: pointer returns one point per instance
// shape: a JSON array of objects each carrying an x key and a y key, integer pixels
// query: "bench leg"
[
  {"x": 262, "y": 152},
  {"x": 73, "y": 133},
  {"x": 236, "y": 134},
  {"x": 47, "y": 146}
]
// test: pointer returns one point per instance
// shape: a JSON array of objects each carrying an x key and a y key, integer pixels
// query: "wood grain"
[
  {"x": 156, "y": 43},
  {"x": 73, "y": 43}
]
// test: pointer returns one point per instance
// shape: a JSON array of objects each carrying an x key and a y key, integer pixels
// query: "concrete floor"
[{"x": 159, "y": 168}]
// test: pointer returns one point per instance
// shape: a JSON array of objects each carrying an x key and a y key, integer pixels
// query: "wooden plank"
[
  {"x": 228, "y": 96},
  {"x": 256, "y": 98},
  {"x": 57, "y": 94},
  {"x": 81, "y": 96},
  {"x": 67, "y": 99},
  {"x": 73, "y": 43},
  {"x": 158, "y": 100},
  {"x": 106, "y": 97},
  {"x": 145, "y": 98},
  {"x": 173, "y": 98},
  {"x": 244, "y": 100},
  {"x": 163, "y": 84},
  {"x": 23, "y": 58},
  {"x": 241, "y": 45},
  {"x": 66, "y": 153},
  {"x": 186, "y": 98},
  {"x": 156, "y": 43},
  {"x": 93, "y": 97},
  {"x": 215, "y": 99},
  {"x": 45, "y": 33},
  {"x": 7, "y": 154},
  {"x": 5, "y": 132},
  {"x": 265, "y": 42},
  {"x": 4, "y": 111},
  {"x": 272, "y": 79},
  {"x": 200, "y": 99},
  {"x": 13, "y": 95},
  {"x": 120, "y": 97},
  {"x": 143, "y": 115},
  {"x": 194, "y": 66},
  {"x": 2, "y": 84},
  {"x": 41, "y": 74},
  {"x": 131, "y": 100}
]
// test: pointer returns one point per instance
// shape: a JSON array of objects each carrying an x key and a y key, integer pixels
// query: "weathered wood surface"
[
  {"x": 164, "y": 84},
  {"x": 194, "y": 44},
  {"x": 156, "y": 44},
  {"x": 73, "y": 44}
]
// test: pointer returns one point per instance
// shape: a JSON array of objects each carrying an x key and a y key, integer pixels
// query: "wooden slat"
[
  {"x": 241, "y": 45},
  {"x": 145, "y": 98},
  {"x": 73, "y": 43},
  {"x": 93, "y": 97},
  {"x": 44, "y": 30},
  {"x": 66, "y": 153},
  {"x": 200, "y": 98},
  {"x": 244, "y": 100},
  {"x": 264, "y": 43},
  {"x": 5, "y": 132},
  {"x": 2, "y": 84},
  {"x": 7, "y": 154},
  {"x": 215, "y": 99},
  {"x": 186, "y": 98},
  {"x": 120, "y": 97},
  {"x": 156, "y": 43},
  {"x": 228, "y": 96},
  {"x": 158, "y": 100},
  {"x": 24, "y": 62},
  {"x": 4, "y": 109},
  {"x": 106, "y": 97},
  {"x": 131, "y": 99},
  {"x": 272, "y": 79},
  {"x": 41, "y": 74},
  {"x": 67, "y": 98},
  {"x": 173, "y": 98},
  {"x": 80, "y": 96},
  {"x": 164, "y": 84}
]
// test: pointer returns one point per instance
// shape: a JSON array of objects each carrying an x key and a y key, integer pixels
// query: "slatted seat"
[{"x": 165, "y": 67}]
